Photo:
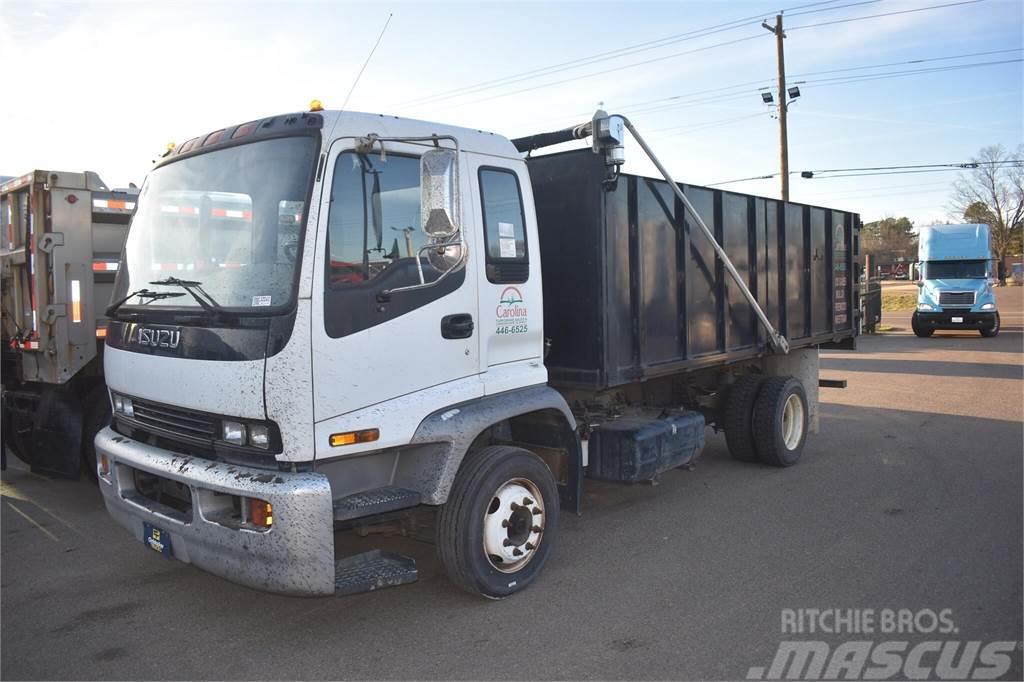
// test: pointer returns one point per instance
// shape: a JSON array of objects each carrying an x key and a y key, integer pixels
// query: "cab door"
[
  {"x": 370, "y": 347},
  {"x": 511, "y": 313}
]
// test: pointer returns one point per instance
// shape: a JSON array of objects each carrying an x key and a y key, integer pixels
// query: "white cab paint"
[
  {"x": 407, "y": 354},
  {"x": 234, "y": 388}
]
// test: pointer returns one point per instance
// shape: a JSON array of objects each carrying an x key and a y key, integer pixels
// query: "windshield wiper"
[
  {"x": 197, "y": 292},
  {"x": 141, "y": 293}
]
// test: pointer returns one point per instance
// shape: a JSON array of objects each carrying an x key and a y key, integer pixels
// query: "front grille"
[
  {"x": 191, "y": 432},
  {"x": 175, "y": 420},
  {"x": 951, "y": 298}
]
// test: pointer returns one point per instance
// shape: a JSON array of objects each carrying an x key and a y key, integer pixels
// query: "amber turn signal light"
[
  {"x": 261, "y": 513},
  {"x": 353, "y": 437}
]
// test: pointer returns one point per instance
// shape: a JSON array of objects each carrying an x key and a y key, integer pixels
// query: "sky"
[{"x": 105, "y": 86}]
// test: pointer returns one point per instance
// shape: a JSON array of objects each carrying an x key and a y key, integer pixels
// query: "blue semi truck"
[{"x": 954, "y": 280}]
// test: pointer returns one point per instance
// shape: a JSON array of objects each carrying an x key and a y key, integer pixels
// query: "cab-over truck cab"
[{"x": 316, "y": 317}]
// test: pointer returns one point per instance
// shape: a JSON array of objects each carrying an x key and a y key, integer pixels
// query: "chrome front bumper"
[{"x": 295, "y": 556}]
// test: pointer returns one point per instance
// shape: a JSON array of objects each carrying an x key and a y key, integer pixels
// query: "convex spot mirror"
[{"x": 439, "y": 185}]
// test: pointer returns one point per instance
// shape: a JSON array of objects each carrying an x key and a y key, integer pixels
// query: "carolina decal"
[{"x": 510, "y": 314}]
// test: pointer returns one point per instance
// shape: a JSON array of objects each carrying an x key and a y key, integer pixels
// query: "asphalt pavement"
[{"x": 910, "y": 497}]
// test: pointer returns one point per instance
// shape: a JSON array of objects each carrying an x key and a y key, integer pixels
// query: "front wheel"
[
  {"x": 497, "y": 528},
  {"x": 989, "y": 333},
  {"x": 920, "y": 330}
]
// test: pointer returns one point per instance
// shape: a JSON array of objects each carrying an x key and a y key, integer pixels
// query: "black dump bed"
[{"x": 633, "y": 290}]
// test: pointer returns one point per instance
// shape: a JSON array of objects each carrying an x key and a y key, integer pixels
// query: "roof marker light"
[{"x": 316, "y": 105}]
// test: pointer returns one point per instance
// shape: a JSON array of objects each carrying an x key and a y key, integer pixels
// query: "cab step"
[
  {"x": 376, "y": 501},
  {"x": 373, "y": 570}
]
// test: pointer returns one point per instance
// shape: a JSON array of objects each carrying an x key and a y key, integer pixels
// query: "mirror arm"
[{"x": 426, "y": 285}]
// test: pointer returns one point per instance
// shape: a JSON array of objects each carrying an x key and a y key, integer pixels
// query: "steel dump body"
[{"x": 633, "y": 290}]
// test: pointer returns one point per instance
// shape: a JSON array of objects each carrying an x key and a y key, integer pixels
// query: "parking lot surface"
[{"x": 910, "y": 497}]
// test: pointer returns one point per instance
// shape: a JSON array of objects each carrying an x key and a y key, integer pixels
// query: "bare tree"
[{"x": 994, "y": 190}]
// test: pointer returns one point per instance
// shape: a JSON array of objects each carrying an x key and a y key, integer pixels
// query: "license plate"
[
  {"x": 958, "y": 320},
  {"x": 156, "y": 539}
]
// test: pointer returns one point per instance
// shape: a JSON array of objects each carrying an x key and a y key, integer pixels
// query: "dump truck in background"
[
  {"x": 62, "y": 239},
  {"x": 411, "y": 320}
]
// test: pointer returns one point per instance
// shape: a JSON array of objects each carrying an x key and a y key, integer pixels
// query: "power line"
[
  {"x": 825, "y": 82},
  {"x": 886, "y": 14},
  {"x": 724, "y": 89},
  {"x": 701, "y": 49},
  {"x": 879, "y": 170},
  {"x": 619, "y": 52}
]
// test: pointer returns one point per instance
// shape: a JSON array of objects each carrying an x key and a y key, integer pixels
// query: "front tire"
[
  {"x": 989, "y": 333},
  {"x": 919, "y": 330},
  {"x": 496, "y": 530},
  {"x": 781, "y": 417}
]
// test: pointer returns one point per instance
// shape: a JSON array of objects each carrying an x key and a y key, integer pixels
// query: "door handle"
[{"x": 458, "y": 326}]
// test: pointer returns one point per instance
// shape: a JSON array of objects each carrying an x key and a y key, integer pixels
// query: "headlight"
[
  {"x": 259, "y": 435},
  {"x": 123, "y": 406},
  {"x": 925, "y": 306},
  {"x": 233, "y": 432},
  {"x": 988, "y": 306}
]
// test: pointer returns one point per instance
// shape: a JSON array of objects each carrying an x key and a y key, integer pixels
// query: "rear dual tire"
[{"x": 766, "y": 419}]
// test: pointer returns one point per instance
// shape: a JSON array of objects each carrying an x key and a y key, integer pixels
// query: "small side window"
[{"x": 504, "y": 227}]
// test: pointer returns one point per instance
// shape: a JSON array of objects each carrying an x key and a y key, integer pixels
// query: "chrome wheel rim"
[{"x": 513, "y": 525}]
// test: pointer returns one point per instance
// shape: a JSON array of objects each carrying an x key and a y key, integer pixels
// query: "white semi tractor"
[{"x": 326, "y": 320}]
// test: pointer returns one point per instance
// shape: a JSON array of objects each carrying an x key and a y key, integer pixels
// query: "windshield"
[
  {"x": 230, "y": 219},
  {"x": 955, "y": 269}
]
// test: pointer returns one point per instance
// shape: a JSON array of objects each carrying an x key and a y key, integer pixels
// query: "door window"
[
  {"x": 504, "y": 226},
  {"x": 374, "y": 241}
]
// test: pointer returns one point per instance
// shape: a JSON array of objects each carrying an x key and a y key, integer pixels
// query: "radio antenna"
[{"x": 368, "y": 57}]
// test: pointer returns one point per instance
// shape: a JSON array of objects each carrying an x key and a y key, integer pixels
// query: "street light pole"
[{"x": 783, "y": 105}]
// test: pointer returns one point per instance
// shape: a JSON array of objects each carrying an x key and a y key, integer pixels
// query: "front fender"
[{"x": 454, "y": 429}]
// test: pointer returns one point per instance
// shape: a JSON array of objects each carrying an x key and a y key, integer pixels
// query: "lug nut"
[{"x": 528, "y": 546}]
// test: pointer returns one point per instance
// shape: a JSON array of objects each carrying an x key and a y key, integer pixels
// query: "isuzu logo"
[{"x": 155, "y": 337}]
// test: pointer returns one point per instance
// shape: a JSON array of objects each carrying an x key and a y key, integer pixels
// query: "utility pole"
[{"x": 783, "y": 105}]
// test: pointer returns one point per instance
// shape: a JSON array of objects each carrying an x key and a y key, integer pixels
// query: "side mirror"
[{"x": 439, "y": 187}]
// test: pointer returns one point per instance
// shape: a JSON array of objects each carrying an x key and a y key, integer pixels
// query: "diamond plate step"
[
  {"x": 376, "y": 501},
  {"x": 373, "y": 570}
]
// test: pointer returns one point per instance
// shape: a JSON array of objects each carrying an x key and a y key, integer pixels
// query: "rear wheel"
[
  {"x": 781, "y": 417},
  {"x": 737, "y": 418},
  {"x": 919, "y": 329},
  {"x": 989, "y": 333},
  {"x": 497, "y": 528}
]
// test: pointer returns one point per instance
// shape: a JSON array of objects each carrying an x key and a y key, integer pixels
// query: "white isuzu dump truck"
[{"x": 326, "y": 320}]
